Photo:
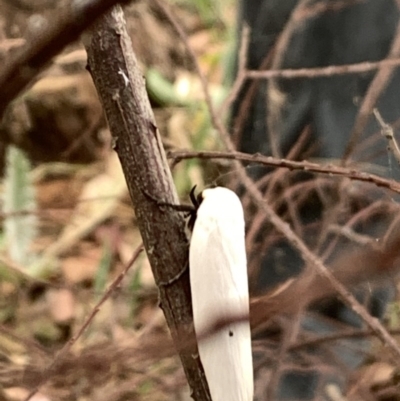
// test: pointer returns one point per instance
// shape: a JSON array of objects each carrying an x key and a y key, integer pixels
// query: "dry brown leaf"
[{"x": 61, "y": 305}]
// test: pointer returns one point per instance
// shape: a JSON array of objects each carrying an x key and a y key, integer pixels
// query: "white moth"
[{"x": 219, "y": 287}]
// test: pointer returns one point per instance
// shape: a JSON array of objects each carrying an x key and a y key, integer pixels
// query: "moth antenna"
[{"x": 193, "y": 197}]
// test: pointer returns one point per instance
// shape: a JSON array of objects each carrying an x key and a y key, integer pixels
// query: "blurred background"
[{"x": 68, "y": 228}]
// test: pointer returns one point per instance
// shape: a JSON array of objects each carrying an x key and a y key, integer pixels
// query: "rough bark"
[{"x": 121, "y": 88}]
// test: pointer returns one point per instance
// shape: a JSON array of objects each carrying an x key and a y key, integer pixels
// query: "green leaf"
[{"x": 20, "y": 226}]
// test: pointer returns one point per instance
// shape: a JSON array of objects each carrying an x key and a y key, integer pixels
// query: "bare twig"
[
  {"x": 317, "y": 72},
  {"x": 375, "y": 89},
  {"x": 319, "y": 8},
  {"x": 352, "y": 333},
  {"x": 274, "y": 96},
  {"x": 291, "y": 165},
  {"x": 387, "y": 133},
  {"x": 246, "y": 100}
]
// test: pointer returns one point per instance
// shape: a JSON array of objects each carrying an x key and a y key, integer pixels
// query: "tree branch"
[
  {"x": 38, "y": 52},
  {"x": 257, "y": 158},
  {"x": 120, "y": 84}
]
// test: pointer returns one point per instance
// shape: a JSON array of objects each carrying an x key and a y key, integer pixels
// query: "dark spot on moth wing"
[{"x": 230, "y": 333}]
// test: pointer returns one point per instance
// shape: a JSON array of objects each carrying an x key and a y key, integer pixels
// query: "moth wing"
[{"x": 218, "y": 276}]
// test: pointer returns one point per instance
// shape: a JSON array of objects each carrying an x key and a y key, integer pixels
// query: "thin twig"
[
  {"x": 350, "y": 234},
  {"x": 333, "y": 6},
  {"x": 353, "y": 333},
  {"x": 317, "y": 72},
  {"x": 291, "y": 165},
  {"x": 274, "y": 96},
  {"x": 375, "y": 89},
  {"x": 247, "y": 97},
  {"x": 387, "y": 133}
]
